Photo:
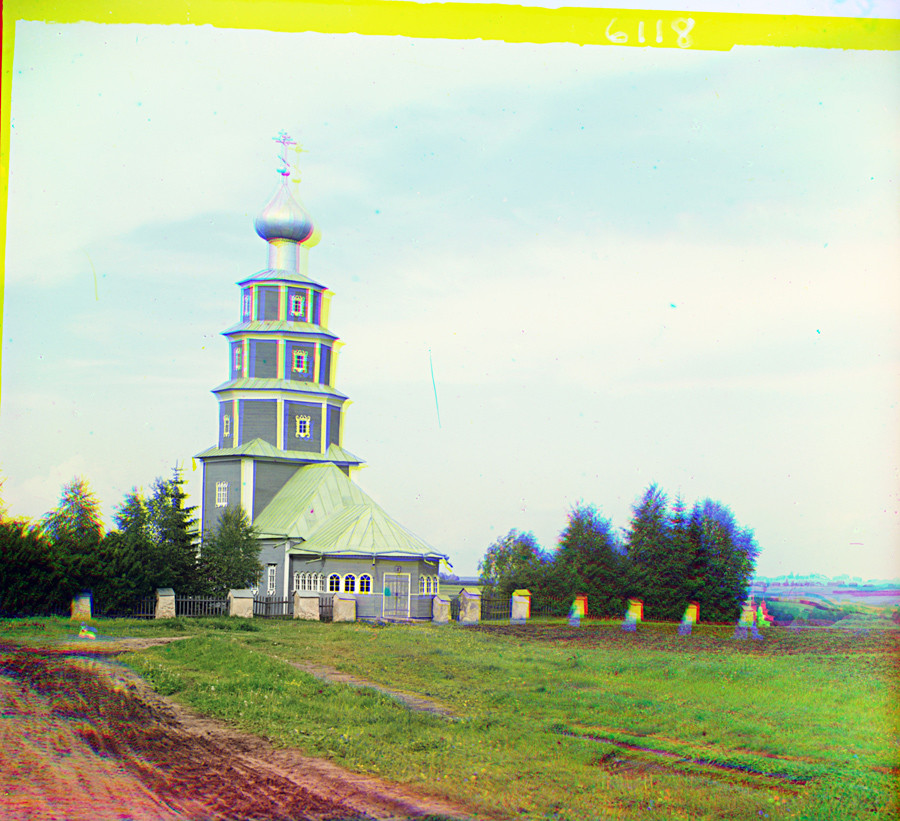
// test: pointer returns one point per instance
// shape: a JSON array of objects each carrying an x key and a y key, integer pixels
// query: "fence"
[
  {"x": 200, "y": 606},
  {"x": 35, "y": 611},
  {"x": 270, "y": 607},
  {"x": 454, "y": 608},
  {"x": 496, "y": 608},
  {"x": 143, "y": 608},
  {"x": 326, "y": 608},
  {"x": 551, "y": 606}
]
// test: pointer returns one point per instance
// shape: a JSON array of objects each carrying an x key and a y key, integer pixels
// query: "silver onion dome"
[{"x": 285, "y": 219}]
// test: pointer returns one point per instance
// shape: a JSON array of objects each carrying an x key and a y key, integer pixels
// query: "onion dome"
[{"x": 285, "y": 219}]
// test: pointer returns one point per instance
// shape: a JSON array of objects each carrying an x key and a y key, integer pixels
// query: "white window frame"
[
  {"x": 226, "y": 426},
  {"x": 365, "y": 583},
  {"x": 303, "y": 356},
  {"x": 237, "y": 362},
  {"x": 350, "y": 583},
  {"x": 298, "y": 305},
  {"x": 296, "y": 582},
  {"x": 304, "y": 427},
  {"x": 337, "y": 586},
  {"x": 221, "y": 494},
  {"x": 247, "y": 306},
  {"x": 271, "y": 576}
]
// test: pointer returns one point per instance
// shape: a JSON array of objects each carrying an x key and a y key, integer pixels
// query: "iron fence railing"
[
  {"x": 454, "y": 608},
  {"x": 326, "y": 608},
  {"x": 142, "y": 608},
  {"x": 201, "y": 606},
  {"x": 551, "y": 606},
  {"x": 35, "y": 611},
  {"x": 272, "y": 607},
  {"x": 496, "y": 608}
]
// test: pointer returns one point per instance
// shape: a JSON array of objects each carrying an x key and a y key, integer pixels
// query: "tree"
[
  {"x": 590, "y": 561},
  {"x": 229, "y": 556},
  {"x": 726, "y": 557},
  {"x": 653, "y": 574},
  {"x": 75, "y": 529},
  {"x": 32, "y": 574},
  {"x": 512, "y": 562},
  {"x": 174, "y": 530}
]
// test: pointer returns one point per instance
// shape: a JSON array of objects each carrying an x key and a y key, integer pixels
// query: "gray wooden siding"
[
  {"x": 334, "y": 426},
  {"x": 267, "y": 303},
  {"x": 302, "y": 292},
  {"x": 219, "y": 470},
  {"x": 226, "y": 411},
  {"x": 257, "y": 419},
  {"x": 289, "y": 372},
  {"x": 263, "y": 359},
  {"x": 317, "y": 308},
  {"x": 325, "y": 365},
  {"x": 291, "y": 441},
  {"x": 268, "y": 479}
]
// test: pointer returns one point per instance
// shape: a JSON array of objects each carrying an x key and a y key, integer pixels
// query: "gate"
[
  {"x": 270, "y": 607},
  {"x": 326, "y": 608},
  {"x": 395, "y": 602}
]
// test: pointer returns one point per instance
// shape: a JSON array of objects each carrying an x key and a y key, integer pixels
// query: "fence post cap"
[
  {"x": 165, "y": 591},
  {"x": 522, "y": 592},
  {"x": 240, "y": 594},
  {"x": 470, "y": 591}
]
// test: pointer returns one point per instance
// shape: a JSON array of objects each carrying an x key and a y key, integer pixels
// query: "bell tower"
[{"x": 279, "y": 410}]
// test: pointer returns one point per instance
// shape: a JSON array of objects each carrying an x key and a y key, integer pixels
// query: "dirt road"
[{"x": 83, "y": 738}]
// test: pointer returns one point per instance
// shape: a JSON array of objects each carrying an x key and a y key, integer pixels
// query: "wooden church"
[{"x": 280, "y": 451}]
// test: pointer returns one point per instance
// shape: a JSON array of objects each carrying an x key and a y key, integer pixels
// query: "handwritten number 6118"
[{"x": 681, "y": 26}]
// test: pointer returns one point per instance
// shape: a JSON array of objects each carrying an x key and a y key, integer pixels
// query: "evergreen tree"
[
  {"x": 32, "y": 573},
  {"x": 727, "y": 554},
  {"x": 590, "y": 561},
  {"x": 173, "y": 530},
  {"x": 229, "y": 556},
  {"x": 512, "y": 562},
  {"x": 75, "y": 529},
  {"x": 653, "y": 565}
]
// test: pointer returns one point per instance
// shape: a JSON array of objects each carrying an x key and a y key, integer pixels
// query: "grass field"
[{"x": 556, "y": 722}]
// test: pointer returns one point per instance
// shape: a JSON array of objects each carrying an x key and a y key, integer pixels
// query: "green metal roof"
[
  {"x": 332, "y": 516},
  {"x": 257, "y": 384},
  {"x": 281, "y": 275},
  {"x": 270, "y": 326},
  {"x": 259, "y": 448}
]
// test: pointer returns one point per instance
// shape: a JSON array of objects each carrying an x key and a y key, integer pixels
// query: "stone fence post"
[
  {"x": 440, "y": 609},
  {"x": 306, "y": 606},
  {"x": 240, "y": 603},
  {"x": 81, "y": 607},
  {"x": 344, "y": 608},
  {"x": 165, "y": 603},
  {"x": 469, "y": 606},
  {"x": 521, "y": 607}
]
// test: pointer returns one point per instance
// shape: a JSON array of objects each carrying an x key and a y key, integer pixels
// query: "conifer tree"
[
  {"x": 229, "y": 557},
  {"x": 590, "y": 559},
  {"x": 653, "y": 565},
  {"x": 512, "y": 562}
]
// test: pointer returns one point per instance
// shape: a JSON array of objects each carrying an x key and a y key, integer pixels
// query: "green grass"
[{"x": 796, "y": 727}]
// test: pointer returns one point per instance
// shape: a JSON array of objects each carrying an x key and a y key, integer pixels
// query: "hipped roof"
[{"x": 331, "y": 516}]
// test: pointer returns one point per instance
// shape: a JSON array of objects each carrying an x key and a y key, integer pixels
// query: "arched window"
[
  {"x": 350, "y": 583},
  {"x": 429, "y": 584},
  {"x": 365, "y": 583},
  {"x": 296, "y": 582},
  {"x": 318, "y": 582},
  {"x": 334, "y": 583}
]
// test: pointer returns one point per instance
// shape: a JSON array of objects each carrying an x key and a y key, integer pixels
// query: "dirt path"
[
  {"x": 418, "y": 703},
  {"x": 83, "y": 738}
]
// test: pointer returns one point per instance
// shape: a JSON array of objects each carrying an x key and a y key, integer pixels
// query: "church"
[{"x": 280, "y": 452}]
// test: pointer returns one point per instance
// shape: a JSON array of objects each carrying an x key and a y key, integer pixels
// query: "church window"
[
  {"x": 295, "y": 586},
  {"x": 297, "y": 305},
  {"x": 237, "y": 358},
  {"x": 350, "y": 583},
  {"x": 300, "y": 361},
  {"x": 303, "y": 427},
  {"x": 365, "y": 583},
  {"x": 221, "y": 494},
  {"x": 421, "y": 585},
  {"x": 226, "y": 426},
  {"x": 334, "y": 583},
  {"x": 246, "y": 306},
  {"x": 270, "y": 578}
]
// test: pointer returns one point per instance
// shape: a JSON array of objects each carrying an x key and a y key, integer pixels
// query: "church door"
[{"x": 396, "y": 596}]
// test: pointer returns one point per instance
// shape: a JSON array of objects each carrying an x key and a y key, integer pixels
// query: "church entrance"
[{"x": 396, "y": 596}]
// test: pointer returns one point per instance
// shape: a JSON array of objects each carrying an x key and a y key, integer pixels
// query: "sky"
[{"x": 625, "y": 267}]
